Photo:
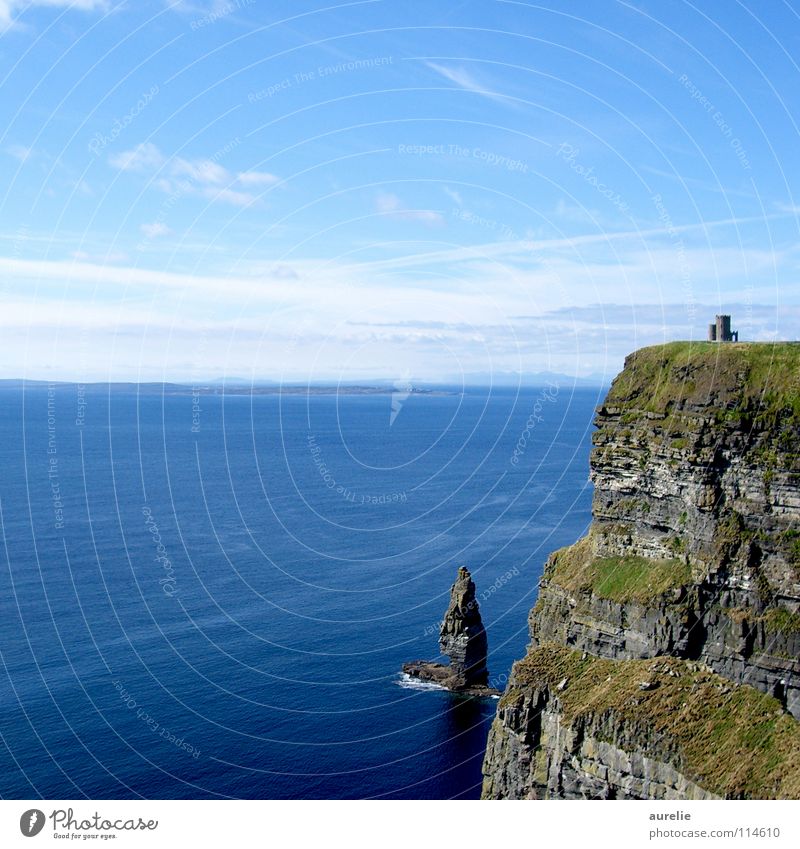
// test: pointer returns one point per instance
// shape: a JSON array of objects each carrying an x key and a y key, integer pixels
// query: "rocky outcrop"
[
  {"x": 571, "y": 726},
  {"x": 462, "y": 638},
  {"x": 693, "y": 555}
]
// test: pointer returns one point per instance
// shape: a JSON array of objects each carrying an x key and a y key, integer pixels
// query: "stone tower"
[{"x": 720, "y": 330}]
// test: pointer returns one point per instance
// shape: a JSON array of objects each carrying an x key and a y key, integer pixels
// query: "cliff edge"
[{"x": 665, "y": 645}]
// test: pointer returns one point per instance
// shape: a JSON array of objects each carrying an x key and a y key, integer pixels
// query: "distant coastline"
[
  {"x": 224, "y": 389},
  {"x": 239, "y": 386}
]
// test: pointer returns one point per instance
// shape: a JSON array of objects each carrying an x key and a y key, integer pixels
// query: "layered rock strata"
[
  {"x": 687, "y": 588},
  {"x": 462, "y": 638}
]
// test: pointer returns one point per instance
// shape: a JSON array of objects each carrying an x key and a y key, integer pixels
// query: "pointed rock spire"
[{"x": 462, "y": 638}]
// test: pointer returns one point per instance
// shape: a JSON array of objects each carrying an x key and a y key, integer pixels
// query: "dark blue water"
[{"x": 217, "y": 603}]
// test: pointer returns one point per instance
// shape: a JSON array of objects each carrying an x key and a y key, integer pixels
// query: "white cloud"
[
  {"x": 463, "y": 79},
  {"x": 143, "y": 157},
  {"x": 199, "y": 8},
  {"x": 575, "y": 213},
  {"x": 155, "y": 230},
  {"x": 283, "y": 272},
  {"x": 483, "y": 306},
  {"x": 790, "y": 209},
  {"x": 231, "y": 196},
  {"x": 19, "y": 151},
  {"x": 8, "y": 8},
  {"x": 386, "y": 203},
  {"x": 391, "y": 205},
  {"x": 204, "y": 176},
  {"x": 82, "y": 188},
  {"x": 704, "y": 185},
  {"x": 512, "y": 252},
  {"x": 454, "y": 196},
  {"x": 85, "y": 256},
  {"x": 200, "y": 171},
  {"x": 257, "y": 178}
]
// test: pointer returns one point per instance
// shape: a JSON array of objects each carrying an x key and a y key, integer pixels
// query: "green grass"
[
  {"x": 776, "y": 620},
  {"x": 731, "y": 739},
  {"x": 745, "y": 382},
  {"x": 791, "y": 541},
  {"x": 619, "y": 579},
  {"x": 781, "y": 620}
]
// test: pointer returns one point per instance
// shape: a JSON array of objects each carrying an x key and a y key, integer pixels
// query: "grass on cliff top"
[
  {"x": 778, "y": 619},
  {"x": 762, "y": 378},
  {"x": 730, "y": 738},
  {"x": 619, "y": 579}
]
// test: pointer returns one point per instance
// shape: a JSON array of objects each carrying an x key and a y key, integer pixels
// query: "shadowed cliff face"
[
  {"x": 694, "y": 553},
  {"x": 462, "y": 637}
]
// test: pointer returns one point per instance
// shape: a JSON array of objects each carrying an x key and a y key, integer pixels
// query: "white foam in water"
[{"x": 409, "y": 683}]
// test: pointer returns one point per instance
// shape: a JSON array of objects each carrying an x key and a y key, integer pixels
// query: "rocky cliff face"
[{"x": 692, "y": 559}]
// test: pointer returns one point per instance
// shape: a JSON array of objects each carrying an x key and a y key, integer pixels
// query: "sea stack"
[{"x": 462, "y": 638}]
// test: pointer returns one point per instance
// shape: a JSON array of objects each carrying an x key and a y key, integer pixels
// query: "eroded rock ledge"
[
  {"x": 575, "y": 726},
  {"x": 692, "y": 562}
]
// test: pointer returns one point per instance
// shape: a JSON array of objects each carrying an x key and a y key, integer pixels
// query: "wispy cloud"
[
  {"x": 391, "y": 205},
  {"x": 703, "y": 185},
  {"x": 19, "y": 151},
  {"x": 463, "y": 79},
  {"x": 155, "y": 230},
  {"x": 143, "y": 157},
  {"x": 8, "y": 8},
  {"x": 519, "y": 251},
  {"x": 454, "y": 195},
  {"x": 489, "y": 301},
  {"x": 576, "y": 214},
  {"x": 788, "y": 208},
  {"x": 257, "y": 178},
  {"x": 114, "y": 257},
  {"x": 204, "y": 177},
  {"x": 208, "y": 7}
]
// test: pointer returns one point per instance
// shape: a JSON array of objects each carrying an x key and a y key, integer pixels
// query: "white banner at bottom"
[{"x": 386, "y": 825}]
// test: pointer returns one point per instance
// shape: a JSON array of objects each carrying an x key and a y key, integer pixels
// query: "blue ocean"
[{"x": 211, "y": 596}]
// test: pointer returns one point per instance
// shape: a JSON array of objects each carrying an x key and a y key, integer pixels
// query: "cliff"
[{"x": 665, "y": 645}]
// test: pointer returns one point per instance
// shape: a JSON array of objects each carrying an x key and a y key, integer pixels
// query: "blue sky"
[{"x": 302, "y": 190}]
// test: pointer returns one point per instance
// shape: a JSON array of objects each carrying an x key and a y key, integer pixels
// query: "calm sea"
[{"x": 213, "y": 598}]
